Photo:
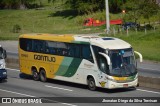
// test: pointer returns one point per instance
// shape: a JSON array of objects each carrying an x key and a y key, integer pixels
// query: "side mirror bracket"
[
  {"x": 140, "y": 56},
  {"x": 107, "y": 57},
  {"x": 4, "y": 54}
]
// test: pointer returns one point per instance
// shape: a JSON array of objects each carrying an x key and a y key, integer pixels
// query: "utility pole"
[{"x": 107, "y": 17}]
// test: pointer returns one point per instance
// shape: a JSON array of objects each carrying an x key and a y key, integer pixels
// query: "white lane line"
[
  {"x": 148, "y": 69},
  {"x": 68, "y": 104},
  {"x": 13, "y": 69},
  {"x": 148, "y": 91},
  {"x": 35, "y": 96},
  {"x": 16, "y": 93},
  {"x": 58, "y": 88}
]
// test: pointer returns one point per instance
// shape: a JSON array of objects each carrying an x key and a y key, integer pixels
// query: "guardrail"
[{"x": 148, "y": 82}]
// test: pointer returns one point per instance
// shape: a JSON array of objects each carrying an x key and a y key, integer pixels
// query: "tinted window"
[
  {"x": 51, "y": 47},
  {"x": 101, "y": 61},
  {"x": 74, "y": 50},
  {"x": 57, "y": 48},
  {"x": 26, "y": 44},
  {"x": 62, "y": 49},
  {"x": 86, "y": 52},
  {"x": 97, "y": 50},
  {"x": 39, "y": 46}
]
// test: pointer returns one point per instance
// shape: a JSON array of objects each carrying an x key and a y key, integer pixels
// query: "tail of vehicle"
[{"x": 3, "y": 71}]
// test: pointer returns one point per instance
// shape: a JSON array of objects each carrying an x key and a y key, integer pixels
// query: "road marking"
[
  {"x": 58, "y": 88},
  {"x": 13, "y": 69},
  {"x": 148, "y": 69},
  {"x": 148, "y": 91},
  {"x": 16, "y": 93},
  {"x": 68, "y": 104}
]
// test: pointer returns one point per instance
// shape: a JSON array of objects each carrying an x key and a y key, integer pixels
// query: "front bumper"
[
  {"x": 3, "y": 74},
  {"x": 113, "y": 85}
]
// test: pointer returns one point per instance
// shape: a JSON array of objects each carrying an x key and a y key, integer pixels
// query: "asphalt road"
[{"x": 19, "y": 85}]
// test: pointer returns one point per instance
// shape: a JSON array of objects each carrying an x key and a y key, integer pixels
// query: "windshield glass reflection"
[{"x": 123, "y": 62}]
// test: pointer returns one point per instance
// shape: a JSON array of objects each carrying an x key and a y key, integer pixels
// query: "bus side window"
[
  {"x": 62, "y": 49},
  {"x": 51, "y": 47},
  {"x": 77, "y": 50},
  {"x": 26, "y": 44},
  {"x": 29, "y": 45},
  {"x": 86, "y": 53},
  {"x": 71, "y": 50},
  {"x": 35, "y": 46}
]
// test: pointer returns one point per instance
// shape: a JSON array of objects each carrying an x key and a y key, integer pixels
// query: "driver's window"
[
  {"x": 102, "y": 64},
  {"x": 101, "y": 60}
]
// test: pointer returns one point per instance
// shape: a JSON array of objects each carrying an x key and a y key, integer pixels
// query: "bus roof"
[{"x": 103, "y": 42}]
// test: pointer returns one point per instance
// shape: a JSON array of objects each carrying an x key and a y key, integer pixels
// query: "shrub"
[{"x": 16, "y": 28}]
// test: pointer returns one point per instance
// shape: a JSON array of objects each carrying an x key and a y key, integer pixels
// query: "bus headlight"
[{"x": 110, "y": 79}]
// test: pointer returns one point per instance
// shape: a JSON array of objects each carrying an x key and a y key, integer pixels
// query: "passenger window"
[
  {"x": 77, "y": 50},
  {"x": 86, "y": 53},
  {"x": 23, "y": 44},
  {"x": 39, "y": 46},
  {"x": 26, "y": 44},
  {"x": 71, "y": 50},
  {"x": 51, "y": 47},
  {"x": 29, "y": 45},
  {"x": 62, "y": 49}
]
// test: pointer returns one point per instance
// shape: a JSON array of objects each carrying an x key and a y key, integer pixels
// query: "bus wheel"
[
  {"x": 91, "y": 84},
  {"x": 35, "y": 74},
  {"x": 43, "y": 75}
]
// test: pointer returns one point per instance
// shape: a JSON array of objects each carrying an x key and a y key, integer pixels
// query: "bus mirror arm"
[
  {"x": 107, "y": 57},
  {"x": 140, "y": 56}
]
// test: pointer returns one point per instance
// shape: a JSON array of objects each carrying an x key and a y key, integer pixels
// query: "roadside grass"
[
  {"x": 59, "y": 21},
  {"x": 40, "y": 21}
]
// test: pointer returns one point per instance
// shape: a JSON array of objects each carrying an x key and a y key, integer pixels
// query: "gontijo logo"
[{"x": 44, "y": 58}]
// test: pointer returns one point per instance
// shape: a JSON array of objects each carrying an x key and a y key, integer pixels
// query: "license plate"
[
  {"x": 4, "y": 73},
  {"x": 125, "y": 85}
]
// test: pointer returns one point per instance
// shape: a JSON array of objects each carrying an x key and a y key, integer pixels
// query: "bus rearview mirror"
[{"x": 4, "y": 54}]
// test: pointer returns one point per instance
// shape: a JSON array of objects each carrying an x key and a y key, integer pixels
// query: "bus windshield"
[{"x": 123, "y": 62}]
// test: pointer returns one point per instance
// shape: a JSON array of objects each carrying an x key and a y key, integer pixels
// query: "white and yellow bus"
[{"x": 95, "y": 61}]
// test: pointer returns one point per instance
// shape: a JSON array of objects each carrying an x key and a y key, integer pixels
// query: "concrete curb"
[{"x": 148, "y": 82}]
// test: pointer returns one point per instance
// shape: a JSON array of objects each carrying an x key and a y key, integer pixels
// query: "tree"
[
  {"x": 15, "y": 4},
  {"x": 90, "y": 6},
  {"x": 138, "y": 8},
  {"x": 115, "y": 5}
]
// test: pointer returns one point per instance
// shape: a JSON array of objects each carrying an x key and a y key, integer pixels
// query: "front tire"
[
  {"x": 91, "y": 84},
  {"x": 43, "y": 77}
]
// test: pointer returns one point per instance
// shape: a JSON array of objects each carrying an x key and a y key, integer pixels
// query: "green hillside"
[{"x": 55, "y": 18}]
